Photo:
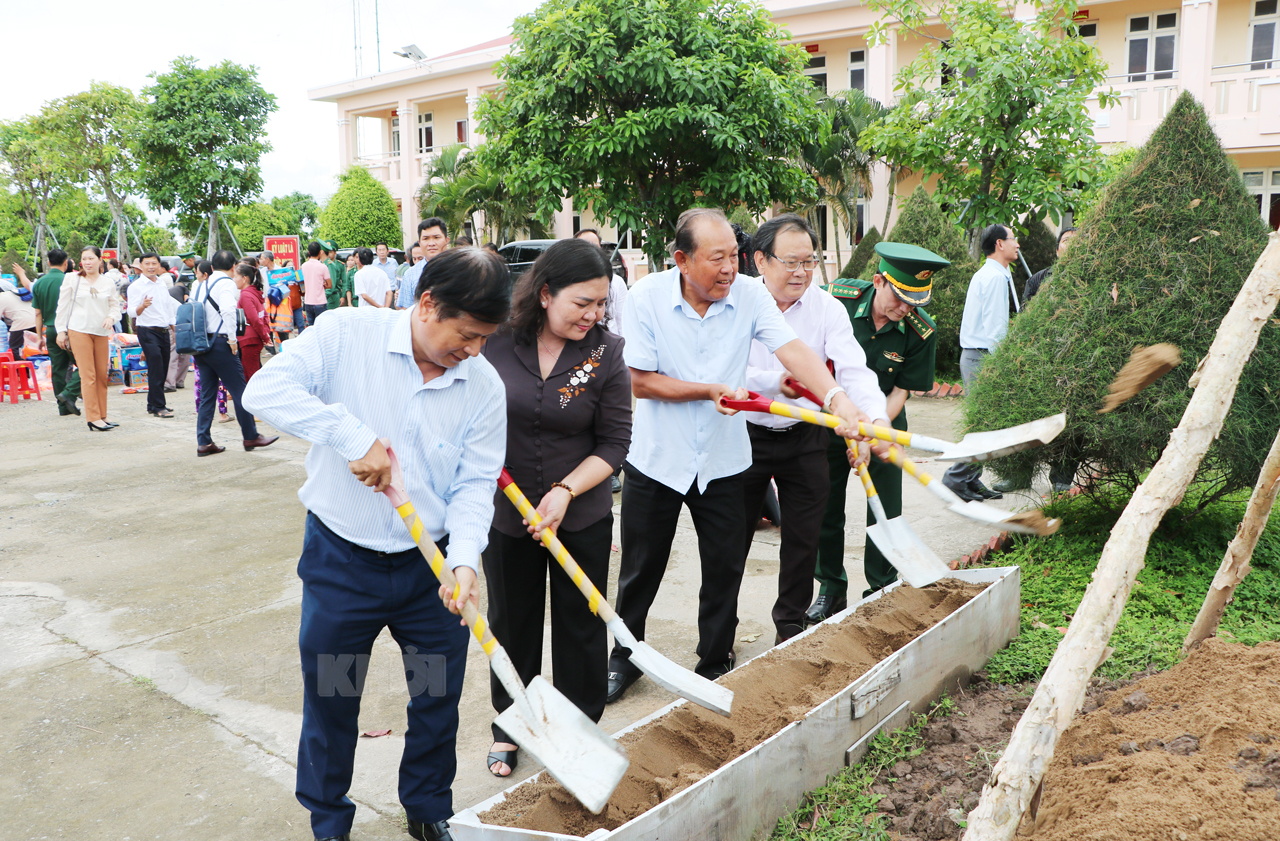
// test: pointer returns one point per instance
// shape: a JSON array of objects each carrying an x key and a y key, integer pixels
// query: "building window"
[
  {"x": 858, "y": 70},
  {"x": 395, "y": 135},
  {"x": 820, "y": 215},
  {"x": 1087, "y": 32},
  {"x": 1262, "y": 34},
  {"x": 426, "y": 140},
  {"x": 1264, "y": 185},
  {"x": 817, "y": 72},
  {"x": 629, "y": 239},
  {"x": 461, "y": 127},
  {"x": 1153, "y": 46}
]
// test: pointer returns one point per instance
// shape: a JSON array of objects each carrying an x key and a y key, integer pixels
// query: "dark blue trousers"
[
  {"x": 220, "y": 364},
  {"x": 349, "y": 594}
]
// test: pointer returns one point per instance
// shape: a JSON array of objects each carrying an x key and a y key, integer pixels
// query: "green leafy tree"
[
  {"x": 361, "y": 213},
  {"x": 1008, "y": 127},
  {"x": 35, "y": 166},
  {"x": 641, "y": 110},
  {"x": 862, "y": 255},
  {"x": 257, "y": 220},
  {"x": 839, "y": 167},
  {"x": 921, "y": 222},
  {"x": 300, "y": 211},
  {"x": 1160, "y": 259},
  {"x": 1116, "y": 160},
  {"x": 204, "y": 139},
  {"x": 158, "y": 238},
  {"x": 96, "y": 129}
]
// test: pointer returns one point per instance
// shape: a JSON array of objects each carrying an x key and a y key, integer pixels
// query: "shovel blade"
[
  {"x": 915, "y": 562},
  {"x": 982, "y": 446},
  {"x": 681, "y": 681},
  {"x": 569, "y": 745},
  {"x": 989, "y": 514}
]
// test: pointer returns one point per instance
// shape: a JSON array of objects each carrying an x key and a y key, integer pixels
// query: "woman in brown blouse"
[{"x": 568, "y": 429}]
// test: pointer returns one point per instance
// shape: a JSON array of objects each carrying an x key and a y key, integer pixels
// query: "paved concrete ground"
[{"x": 149, "y": 685}]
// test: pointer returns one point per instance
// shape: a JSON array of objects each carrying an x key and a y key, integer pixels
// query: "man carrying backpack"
[{"x": 220, "y": 297}]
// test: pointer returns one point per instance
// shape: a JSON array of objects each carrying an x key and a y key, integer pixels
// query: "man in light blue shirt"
[
  {"x": 982, "y": 328},
  {"x": 415, "y": 378},
  {"x": 386, "y": 263},
  {"x": 689, "y": 332},
  {"x": 433, "y": 239}
]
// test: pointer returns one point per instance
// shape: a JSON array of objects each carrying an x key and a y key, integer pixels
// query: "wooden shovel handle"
[{"x": 595, "y": 600}]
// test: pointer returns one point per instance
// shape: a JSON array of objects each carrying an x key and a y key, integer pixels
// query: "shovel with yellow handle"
[
  {"x": 569, "y": 745},
  {"x": 663, "y": 671}
]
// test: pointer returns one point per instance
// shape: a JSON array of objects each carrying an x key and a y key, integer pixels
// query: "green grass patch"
[
  {"x": 1181, "y": 560},
  {"x": 845, "y": 808}
]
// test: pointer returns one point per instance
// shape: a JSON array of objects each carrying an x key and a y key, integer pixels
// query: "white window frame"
[
  {"x": 822, "y": 71},
  {"x": 1256, "y": 20},
  {"x": 426, "y": 121},
  {"x": 1269, "y": 189},
  {"x": 395, "y": 135},
  {"x": 1088, "y": 39},
  {"x": 858, "y": 64},
  {"x": 462, "y": 131},
  {"x": 1150, "y": 35}
]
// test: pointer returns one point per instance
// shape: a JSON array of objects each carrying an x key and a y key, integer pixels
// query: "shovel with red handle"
[
  {"x": 573, "y": 749},
  {"x": 664, "y": 672}
]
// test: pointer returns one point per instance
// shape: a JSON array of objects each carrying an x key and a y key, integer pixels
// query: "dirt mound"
[
  {"x": 1191, "y": 753},
  {"x": 685, "y": 745}
]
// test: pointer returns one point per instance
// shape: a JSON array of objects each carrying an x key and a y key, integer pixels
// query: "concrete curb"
[{"x": 999, "y": 543}]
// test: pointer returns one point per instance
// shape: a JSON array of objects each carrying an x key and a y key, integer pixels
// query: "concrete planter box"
[{"x": 744, "y": 798}]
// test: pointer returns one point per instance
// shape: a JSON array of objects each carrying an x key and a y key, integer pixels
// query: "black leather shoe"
[
  {"x": 824, "y": 607},
  {"x": 786, "y": 632},
  {"x": 983, "y": 491},
  {"x": 720, "y": 670},
  {"x": 209, "y": 450},
  {"x": 1005, "y": 486},
  {"x": 963, "y": 492},
  {"x": 260, "y": 441},
  {"x": 618, "y": 683},
  {"x": 438, "y": 831},
  {"x": 67, "y": 407}
]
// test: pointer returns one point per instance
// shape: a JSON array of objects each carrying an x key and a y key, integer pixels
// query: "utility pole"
[{"x": 377, "y": 35}]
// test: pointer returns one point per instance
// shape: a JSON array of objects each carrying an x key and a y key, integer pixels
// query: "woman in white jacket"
[{"x": 88, "y": 308}]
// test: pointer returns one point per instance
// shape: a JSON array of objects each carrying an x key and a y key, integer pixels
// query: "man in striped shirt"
[{"x": 415, "y": 377}]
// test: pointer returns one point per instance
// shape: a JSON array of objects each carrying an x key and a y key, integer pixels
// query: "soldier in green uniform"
[
  {"x": 44, "y": 296},
  {"x": 336, "y": 294},
  {"x": 900, "y": 343}
]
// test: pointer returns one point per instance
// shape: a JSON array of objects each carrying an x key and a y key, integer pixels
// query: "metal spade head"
[
  {"x": 573, "y": 749},
  {"x": 679, "y": 680},
  {"x": 983, "y": 446},
  {"x": 1007, "y": 520},
  {"x": 915, "y": 562}
]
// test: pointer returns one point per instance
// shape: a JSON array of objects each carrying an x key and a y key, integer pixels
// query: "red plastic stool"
[
  {"x": 6, "y": 356},
  {"x": 20, "y": 377}
]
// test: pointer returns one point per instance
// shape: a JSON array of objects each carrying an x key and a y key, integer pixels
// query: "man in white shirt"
[
  {"x": 617, "y": 286},
  {"x": 153, "y": 311},
  {"x": 794, "y": 453},
  {"x": 221, "y": 297},
  {"x": 688, "y": 334},
  {"x": 371, "y": 285},
  {"x": 982, "y": 327}
]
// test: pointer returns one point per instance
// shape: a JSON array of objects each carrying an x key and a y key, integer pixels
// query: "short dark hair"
[
  {"x": 223, "y": 260},
  {"x": 468, "y": 280},
  {"x": 1061, "y": 233},
  {"x": 685, "y": 240},
  {"x": 314, "y": 249},
  {"x": 433, "y": 222},
  {"x": 204, "y": 267},
  {"x": 765, "y": 236},
  {"x": 383, "y": 244},
  {"x": 149, "y": 254},
  {"x": 57, "y": 257},
  {"x": 462, "y": 241},
  {"x": 991, "y": 235},
  {"x": 567, "y": 262},
  {"x": 365, "y": 256},
  {"x": 582, "y": 231}
]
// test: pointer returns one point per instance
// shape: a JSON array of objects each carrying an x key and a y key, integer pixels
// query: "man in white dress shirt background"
[
  {"x": 221, "y": 297},
  {"x": 689, "y": 332},
  {"x": 370, "y": 285},
  {"x": 415, "y": 377},
  {"x": 790, "y": 452},
  {"x": 153, "y": 311},
  {"x": 982, "y": 328}
]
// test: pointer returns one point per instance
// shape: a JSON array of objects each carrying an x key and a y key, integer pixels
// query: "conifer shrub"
[
  {"x": 921, "y": 222},
  {"x": 1160, "y": 259},
  {"x": 862, "y": 254},
  {"x": 361, "y": 213}
]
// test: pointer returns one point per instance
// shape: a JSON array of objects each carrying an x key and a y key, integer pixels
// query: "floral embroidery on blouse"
[{"x": 580, "y": 376}]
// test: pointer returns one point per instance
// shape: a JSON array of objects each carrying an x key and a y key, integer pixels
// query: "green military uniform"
[
  {"x": 44, "y": 297},
  {"x": 902, "y": 355},
  {"x": 337, "y": 275}
]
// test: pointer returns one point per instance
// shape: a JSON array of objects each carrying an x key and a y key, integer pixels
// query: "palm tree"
[{"x": 447, "y": 192}]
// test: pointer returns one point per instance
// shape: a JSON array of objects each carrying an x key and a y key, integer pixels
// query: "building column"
[
  {"x": 1195, "y": 62},
  {"x": 882, "y": 65},
  {"x": 410, "y": 176},
  {"x": 473, "y": 135},
  {"x": 346, "y": 144}
]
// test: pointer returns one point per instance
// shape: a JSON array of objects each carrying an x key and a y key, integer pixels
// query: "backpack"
[{"x": 191, "y": 333}]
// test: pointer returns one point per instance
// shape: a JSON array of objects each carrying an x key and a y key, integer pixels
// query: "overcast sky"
[{"x": 296, "y": 46}]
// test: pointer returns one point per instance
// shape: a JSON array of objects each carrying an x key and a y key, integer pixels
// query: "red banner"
[
  {"x": 110, "y": 254},
  {"x": 284, "y": 248}
]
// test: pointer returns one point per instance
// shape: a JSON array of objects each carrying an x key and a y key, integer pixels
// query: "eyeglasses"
[{"x": 792, "y": 265}]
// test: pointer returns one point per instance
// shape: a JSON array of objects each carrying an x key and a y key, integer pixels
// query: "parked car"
[
  {"x": 521, "y": 254},
  {"x": 344, "y": 253}
]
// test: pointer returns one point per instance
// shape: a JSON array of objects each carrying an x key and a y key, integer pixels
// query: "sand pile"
[
  {"x": 680, "y": 748},
  {"x": 1188, "y": 754}
]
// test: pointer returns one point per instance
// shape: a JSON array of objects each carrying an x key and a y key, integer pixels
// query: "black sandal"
[{"x": 505, "y": 756}]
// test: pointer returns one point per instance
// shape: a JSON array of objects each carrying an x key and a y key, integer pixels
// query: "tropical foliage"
[{"x": 362, "y": 212}]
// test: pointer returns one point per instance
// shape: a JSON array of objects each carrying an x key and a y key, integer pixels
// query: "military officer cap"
[
  {"x": 909, "y": 270},
  {"x": 329, "y": 245},
  {"x": 187, "y": 255}
]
